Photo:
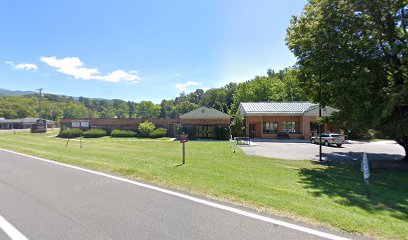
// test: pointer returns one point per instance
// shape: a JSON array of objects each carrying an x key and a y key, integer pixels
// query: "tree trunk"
[{"x": 403, "y": 141}]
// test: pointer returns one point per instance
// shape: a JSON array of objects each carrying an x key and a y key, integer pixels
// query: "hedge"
[
  {"x": 158, "y": 133},
  {"x": 123, "y": 133},
  {"x": 94, "y": 133},
  {"x": 71, "y": 133}
]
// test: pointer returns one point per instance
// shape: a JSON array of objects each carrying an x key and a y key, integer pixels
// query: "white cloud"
[
  {"x": 73, "y": 66},
  {"x": 22, "y": 66},
  {"x": 184, "y": 87}
]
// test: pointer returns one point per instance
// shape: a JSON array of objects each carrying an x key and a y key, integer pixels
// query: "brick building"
[
  {"x": 203, "y": 119},
  {"x": 295, "y": 120}
]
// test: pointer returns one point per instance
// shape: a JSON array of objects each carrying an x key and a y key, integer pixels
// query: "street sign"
[
  {"x": 85, "y": 124},
  {"x": 75, "y": 124},
  {"x": 183, "y": 138}
]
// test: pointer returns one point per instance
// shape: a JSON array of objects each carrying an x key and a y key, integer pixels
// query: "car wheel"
[
  {"x": 338, "y": 145},
  {"x": 312, "y": 141},
  {"x": 326, "y": 143}
]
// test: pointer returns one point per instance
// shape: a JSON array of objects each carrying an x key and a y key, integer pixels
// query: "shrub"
[
  {"x": 190, "y": 130},
  {"x": 123, "y": 133},
  {"x": 221, "y": 132},
  {"x": 71, "y": 133},
  {"x": 94, "y": 133},
  {"x": 237, "y": 127},
  {"x": 146, "y": 128},
  {"x": 158, "y": 133}
]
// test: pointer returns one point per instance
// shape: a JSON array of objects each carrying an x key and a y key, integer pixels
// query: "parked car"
[{"x": 329, "y": 139}]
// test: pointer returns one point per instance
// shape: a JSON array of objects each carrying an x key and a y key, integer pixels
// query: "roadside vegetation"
[
  {"x": 303, "y": 190},
  {"x": 145, "y": 130}
]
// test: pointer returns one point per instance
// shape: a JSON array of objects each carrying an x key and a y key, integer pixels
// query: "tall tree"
[
  {"x": 184, "y": 107},
  {"x": 148, "y": 110},
  {"x": 356, "y": 53}
]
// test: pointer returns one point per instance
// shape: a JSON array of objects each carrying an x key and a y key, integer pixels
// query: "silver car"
[{"x": 329, "y": 139}]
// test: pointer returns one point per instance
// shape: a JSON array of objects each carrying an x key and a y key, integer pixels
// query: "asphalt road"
[{"x": 43, "y": 200}]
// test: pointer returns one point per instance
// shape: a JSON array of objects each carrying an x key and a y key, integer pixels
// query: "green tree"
[
  {"x": 148, "y": 110},
  {"x": 166, "y": 109},
  {"x": 184, "y": 107},
  {"x": 215, "y": 98},
  {"x": 131, "y": 109},
  {"x": 356, "y": 52}
]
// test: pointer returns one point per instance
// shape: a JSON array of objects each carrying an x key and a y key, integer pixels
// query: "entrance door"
[
  {"x": 205, "y": 131},
  {"x": 200, "y": 132},
  {"x": 252, "y": 130}
]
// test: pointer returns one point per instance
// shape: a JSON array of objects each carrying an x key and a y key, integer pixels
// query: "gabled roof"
[
  {"x": 205, "y": 113},
  {"x": 282, "y": 108}
]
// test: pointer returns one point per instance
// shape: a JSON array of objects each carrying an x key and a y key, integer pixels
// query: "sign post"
[
  {"x": 183, "y": 140},
  {"x": 366, "y": 173}
]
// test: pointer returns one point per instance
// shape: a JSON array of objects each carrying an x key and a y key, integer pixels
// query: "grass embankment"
[{"x": 332, "y": 195}]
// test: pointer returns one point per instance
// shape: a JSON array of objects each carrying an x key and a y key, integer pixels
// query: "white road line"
[
  {"x": 194, "y": 199},
  {"x": 10, "y": 230}
]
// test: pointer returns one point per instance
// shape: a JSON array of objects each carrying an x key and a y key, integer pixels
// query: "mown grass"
[{"x": 303, "y": 190}]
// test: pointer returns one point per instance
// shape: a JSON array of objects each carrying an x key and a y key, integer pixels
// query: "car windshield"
[{"x": 335, "y": 135}]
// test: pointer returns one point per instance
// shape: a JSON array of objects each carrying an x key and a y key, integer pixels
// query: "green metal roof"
[{"x": 280, "y": 108}]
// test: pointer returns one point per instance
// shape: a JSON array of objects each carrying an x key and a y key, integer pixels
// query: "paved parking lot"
[{"x": 302, "y": 149}]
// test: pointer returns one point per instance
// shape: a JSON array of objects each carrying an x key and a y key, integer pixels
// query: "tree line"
[
  {"x": 282, "y": 85},
  {"x": 354, "y": 55}
]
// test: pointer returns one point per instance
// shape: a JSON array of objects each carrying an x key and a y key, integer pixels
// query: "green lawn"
[{"x": 330, "y": 195}]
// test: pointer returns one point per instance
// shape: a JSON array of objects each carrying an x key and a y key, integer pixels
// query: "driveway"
[{"x": 302, "y": 149}]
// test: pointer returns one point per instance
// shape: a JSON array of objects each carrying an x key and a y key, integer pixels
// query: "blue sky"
[{"x": 140, "y": 50}]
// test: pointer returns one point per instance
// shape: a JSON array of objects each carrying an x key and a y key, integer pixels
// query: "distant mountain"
[{"x": 5, "y": 92}]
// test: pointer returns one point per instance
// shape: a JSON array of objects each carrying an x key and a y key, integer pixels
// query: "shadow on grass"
[
  {"x": 335, "y": 156},
  {"x": 343, "y": 182}
]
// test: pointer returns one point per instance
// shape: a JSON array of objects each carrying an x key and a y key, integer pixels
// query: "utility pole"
[
  {"x": 39, "y": 102},
  {"x": 320, "y": 114},
  {"x": 320, "y": 124},
  {"x": 320, "y": 101}
]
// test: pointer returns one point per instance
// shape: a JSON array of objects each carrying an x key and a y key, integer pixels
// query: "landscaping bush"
[
  {"x": 94, "y": 133},
  {"x": 190, "y": 130},
  {"x": 158, "y": 133},
  {"x": 237, "y": 127},
  {"x": 221, "y": 132},
  {"x": 146, "y": 128},
  {"x": 71, "y": 133},
  {"x": 123, "y": 133}
]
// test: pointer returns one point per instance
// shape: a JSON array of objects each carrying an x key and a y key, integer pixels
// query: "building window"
[
  {"x": 289, "y": 127},
  {"x": 270, "y": 127}
]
